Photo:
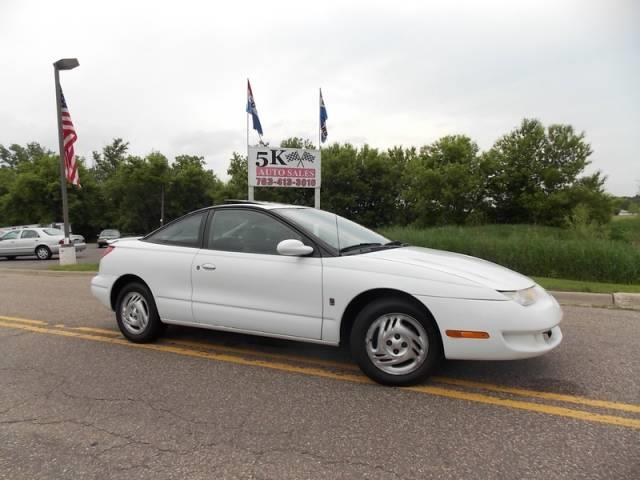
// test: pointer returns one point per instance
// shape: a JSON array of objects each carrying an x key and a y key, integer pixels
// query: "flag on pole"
[
  {"x": 252, "y": 110},
  {"x": 323, "y": 120},
  {"x": 69, "y": 138}
]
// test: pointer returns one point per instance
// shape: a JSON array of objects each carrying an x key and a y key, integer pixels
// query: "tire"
[
  {"x": 411, "y": 350},
  {"x": 137, "y": 314},
  {"x": 43, "y": 252}
]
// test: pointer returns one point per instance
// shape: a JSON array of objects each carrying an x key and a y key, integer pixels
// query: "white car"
[
  {"x": 41, "y": 242},
  {"x": 304, "y": 274}
]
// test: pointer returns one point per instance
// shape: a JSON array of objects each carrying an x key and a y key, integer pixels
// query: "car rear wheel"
[
  {"x": 395, "y": 343},
  {"x": 137, "y": 314},
  {"x": 43, "y": 253}
]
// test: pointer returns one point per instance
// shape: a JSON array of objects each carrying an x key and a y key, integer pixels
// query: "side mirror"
[{"x": 293, "y": 248}]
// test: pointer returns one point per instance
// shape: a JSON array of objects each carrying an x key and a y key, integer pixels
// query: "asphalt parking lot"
[
  {"x": 91, "y": 254},
  {"x": 79, "y": 401}
]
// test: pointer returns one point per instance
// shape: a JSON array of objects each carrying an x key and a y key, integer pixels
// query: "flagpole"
[
  {"x": 250, "y": 192},
  {"x": 316, "y": 195}
]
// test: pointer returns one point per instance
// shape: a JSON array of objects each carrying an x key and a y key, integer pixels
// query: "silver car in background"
[
  {"x": 41, "y": 242},
  {"x": 107, "y": 235}
]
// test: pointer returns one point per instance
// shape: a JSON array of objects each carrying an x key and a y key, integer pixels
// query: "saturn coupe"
[{"x": 305, "y": 274}]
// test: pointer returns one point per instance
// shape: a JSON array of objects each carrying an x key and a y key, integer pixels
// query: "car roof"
[{"x": 256, "y": 204}]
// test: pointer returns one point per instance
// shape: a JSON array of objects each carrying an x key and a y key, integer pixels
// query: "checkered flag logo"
[
  {"x": 307, "y": 157},
  {"x": 295, "y": 157}
]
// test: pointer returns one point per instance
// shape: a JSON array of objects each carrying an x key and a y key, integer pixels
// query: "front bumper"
[{"x": 514, "y": 331}]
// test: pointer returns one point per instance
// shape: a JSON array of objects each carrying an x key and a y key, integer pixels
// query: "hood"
[{"x": 470, "y": 268}]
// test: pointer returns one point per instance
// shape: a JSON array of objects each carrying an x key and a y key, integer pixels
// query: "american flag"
[{"x": 69, "y": 138}]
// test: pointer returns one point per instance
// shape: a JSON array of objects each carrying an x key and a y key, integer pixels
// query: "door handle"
[{"x": 208, "y": 266}]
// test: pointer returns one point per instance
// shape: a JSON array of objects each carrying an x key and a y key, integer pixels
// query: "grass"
[
  {"x": 626, "y": 229},
  {"x": 79, "y": 267},
  {"x": 563, "y": 285},
  {"x": 586, "y": 255}
]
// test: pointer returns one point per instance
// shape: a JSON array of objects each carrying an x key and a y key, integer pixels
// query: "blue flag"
[
  {"x": 252, "y": 110},
  {"x": 323, "y": 120}
]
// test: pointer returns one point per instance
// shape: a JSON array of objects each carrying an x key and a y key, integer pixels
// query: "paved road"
[
  {"x": 78, "y": 401},
  {"x": 91, "y": 254}
]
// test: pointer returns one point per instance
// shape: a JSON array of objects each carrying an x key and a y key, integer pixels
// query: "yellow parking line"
[
  {"x": 579, "y": 400},
  {"x": 626, "y": 407},
  {"x": 317, "y": 372},
  {"x": 102, "y": 331},
  {"x": 22, "y": 320},
  {"x": 446, "y": 380}
]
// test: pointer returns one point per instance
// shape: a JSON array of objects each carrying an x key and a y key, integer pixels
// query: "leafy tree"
[
  {"x": 446, "y": 182},
  {"x": 359, "y": 184},
  {"x": 533, "y": 175},
  {"x": 189, "y": 186},
  {"x": 111, "y": 157},
  {"x": 16, "y": 154},
  {"x": 237, "y": 185}
]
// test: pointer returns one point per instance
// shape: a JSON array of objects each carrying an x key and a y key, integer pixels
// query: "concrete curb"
[
  {"x": 582, "y": 298},
  {"x": 617, "y": 300}
]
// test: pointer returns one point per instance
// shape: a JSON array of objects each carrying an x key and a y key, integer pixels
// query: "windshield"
[
  {"x": 338, "y": 232},
  {"x": 52, "y": 231},
  {"x": 110, "y": 232}
]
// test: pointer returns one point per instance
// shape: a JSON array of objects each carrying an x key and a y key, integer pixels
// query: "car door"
[
  {"x": 26, "y": 244},
  {"x": 241, "y": 282},
  {"x": 8, "y": 245},
  {"x": 165, "y": 265}
]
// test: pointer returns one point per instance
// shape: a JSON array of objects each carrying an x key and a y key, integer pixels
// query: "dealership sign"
[{"x": 284, "y": 167}]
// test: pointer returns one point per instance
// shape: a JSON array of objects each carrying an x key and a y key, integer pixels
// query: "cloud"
[{"x": 172, "y": 76}]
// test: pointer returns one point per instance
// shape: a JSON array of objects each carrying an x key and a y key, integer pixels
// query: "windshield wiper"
[
  {"x": 358, "y": 246},
  {"x": 396, "y": 243}
]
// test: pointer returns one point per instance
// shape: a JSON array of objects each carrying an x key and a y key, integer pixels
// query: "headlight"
[{"x": 525, "y": 297}]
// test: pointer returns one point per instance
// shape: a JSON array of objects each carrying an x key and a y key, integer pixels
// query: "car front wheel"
[
  {"x": 137, "y": 314},
  {"x": 395, "y": 343},
  {"x": 43, "y": 253}
]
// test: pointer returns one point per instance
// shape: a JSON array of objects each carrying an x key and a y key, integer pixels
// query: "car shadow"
[{"x": 534, "y": 373}]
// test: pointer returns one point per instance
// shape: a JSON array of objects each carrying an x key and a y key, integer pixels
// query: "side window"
[
  {"x": 11, "y": 235},
  {"x": 29, "y": 234},
  {"x": 184, "y": 232},
  {"x": 247, "y": 231}
]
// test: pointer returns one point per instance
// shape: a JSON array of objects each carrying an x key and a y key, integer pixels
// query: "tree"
[
  {"x": 112, "y": 157},
  {"x": 14, "y": 155},
  {"x": 533, "y": 175},
  {"x": 445, "y": 182},
  {"x": 190, "y": 186},
  {"x": 359, "y": 184}
]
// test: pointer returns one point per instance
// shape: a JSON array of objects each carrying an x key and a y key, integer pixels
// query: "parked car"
[
  {"x": 304, "y": 274},
  {"x": 106, "y": 235},
  {"x": 41, "y": 242}
]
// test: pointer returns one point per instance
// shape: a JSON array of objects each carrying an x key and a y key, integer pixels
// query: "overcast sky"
[{"x": 171, "y": 76}]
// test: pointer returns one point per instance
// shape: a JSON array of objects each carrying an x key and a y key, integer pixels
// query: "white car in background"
[
  {"x": 305, "y": 274},
  {"x": 41, "y": 242}
]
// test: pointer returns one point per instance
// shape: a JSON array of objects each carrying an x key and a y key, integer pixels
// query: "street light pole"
[{"x": 63, "y": 64}]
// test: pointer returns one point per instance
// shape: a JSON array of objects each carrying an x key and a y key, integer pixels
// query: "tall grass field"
[{"x": 602, "y": 254}]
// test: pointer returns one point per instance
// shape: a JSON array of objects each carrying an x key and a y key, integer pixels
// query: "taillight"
[
  {"x": 109, "y": 249},
  {"x": 61, "y": 242}
]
